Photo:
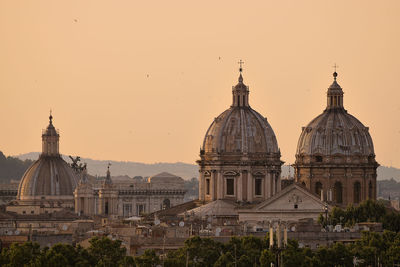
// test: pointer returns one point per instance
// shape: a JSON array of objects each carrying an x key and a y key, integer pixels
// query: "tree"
[
  {"x": 20, "y": 255},
  {"x": 225, "y": 260},
  {"x": 367, "y": 211},
  {"x": 106, "y": 252},
  {"x": 267, "y": 257},
  {"x": 148, "y": 259}
]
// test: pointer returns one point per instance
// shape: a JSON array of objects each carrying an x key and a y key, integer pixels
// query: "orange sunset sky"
[{"x": 143, "y": 80}]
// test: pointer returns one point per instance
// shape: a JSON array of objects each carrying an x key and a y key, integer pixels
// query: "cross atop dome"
[
  {"x": 241, "y": 62},
  {"x": 240, "y": 70},
  {"x": 335, "y": 73},
  {"x": 51, "y": 117}
]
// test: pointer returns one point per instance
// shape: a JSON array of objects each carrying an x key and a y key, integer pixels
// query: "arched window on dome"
[
  {"x": 318, "y": 188},
  {"x": 357, "y": 192},
  {"x": 370, "y": 188},
  {"x": 338, "y": 192}
]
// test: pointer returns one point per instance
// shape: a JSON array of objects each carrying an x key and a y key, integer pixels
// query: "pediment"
[
  {"x": 207, "y": 173},
  {"x": 258, "y": 173},
  {"x": 287, "y": 200},
  {"x": 230, "y": 173}
]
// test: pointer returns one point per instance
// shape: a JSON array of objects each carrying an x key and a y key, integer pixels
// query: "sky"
[{"x": 143, "y": 80}]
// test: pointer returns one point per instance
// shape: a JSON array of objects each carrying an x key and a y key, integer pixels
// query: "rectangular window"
[
  {"x": 127, "y": 210},
  {"x": 257, "y": 188},
  {"x": 207, "y": 186},
  {"x": 140, "y": 209},
  {"x": 230, "y": 186}
]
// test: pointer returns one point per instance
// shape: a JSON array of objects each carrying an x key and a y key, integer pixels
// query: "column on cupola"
[
  {"x": 266, "y": 185},
  {"x": 212, "y": 185},
  {"x": 273, "y": 183},
  {"x": 220, "y": 184},
  {"x": 240, "y": 186},
  {"x": 249, "y": 187},
  {"x": 201, "y": 186},
  {"x": 279, "y": 182}
]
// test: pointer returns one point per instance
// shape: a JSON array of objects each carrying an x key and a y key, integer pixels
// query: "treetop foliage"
[
  {"x": 367, "y": 211},
  {"x": 239, "y": 251}
]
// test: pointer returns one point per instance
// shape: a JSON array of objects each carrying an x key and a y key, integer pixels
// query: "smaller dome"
[{"x": 49, "y": 177}]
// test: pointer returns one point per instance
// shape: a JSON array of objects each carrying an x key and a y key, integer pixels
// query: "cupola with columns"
[
  {"x": 50, "y": 139},
  {"x": 240, "y": 157},
  {"x": 334, "y": 95},
  {"x": 240, "y": 92}
]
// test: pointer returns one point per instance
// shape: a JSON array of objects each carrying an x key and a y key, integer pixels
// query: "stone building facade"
[
  {"x": 335, "y": 154},
  {"x": 129, "y": 197},
  {"x": 239, "y": 158}
]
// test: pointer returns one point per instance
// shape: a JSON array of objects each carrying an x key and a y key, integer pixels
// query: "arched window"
[
  {"x": 166, "y": 204},
  {"x": 303, "y": 184},
  {"x": 318, "y": 188},
  {"x": 338, "y": 192},
  {"x": 370, "y": 188},
  {"x": 357, "y": 192}
]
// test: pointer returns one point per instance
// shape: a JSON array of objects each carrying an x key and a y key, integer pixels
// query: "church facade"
[
  {"x": 128, "y": 198},
  {"x": 335, "y": 154}
]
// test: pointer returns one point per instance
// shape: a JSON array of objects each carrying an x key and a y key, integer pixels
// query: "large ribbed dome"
[
  {"x": 240, "y": 128},
  {"x": 335, "y": 131},
  {"x": 50, "y": 177}
]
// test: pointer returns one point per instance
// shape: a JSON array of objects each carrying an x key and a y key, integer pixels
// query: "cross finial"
[
  {"x": 335, "y": 67},
  {"x": 240, "y": 66},
  {"x": 335, "y": 73},
  {"x": 51, "y": 117}
]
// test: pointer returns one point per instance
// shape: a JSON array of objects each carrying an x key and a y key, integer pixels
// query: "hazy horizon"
[{"x": 142, "y": 81}]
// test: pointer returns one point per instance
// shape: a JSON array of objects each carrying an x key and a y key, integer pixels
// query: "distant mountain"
[
  {"x": 12, "y": 168},
  {"x": 184, "y": 170},
  {"x": 120, "y": 168}
]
